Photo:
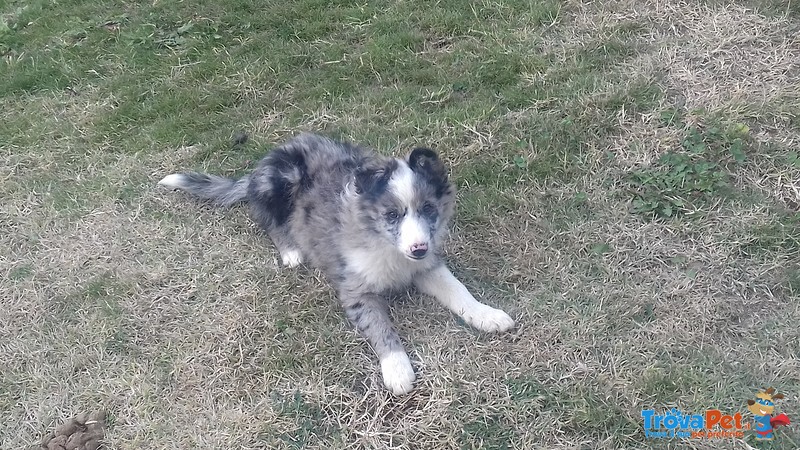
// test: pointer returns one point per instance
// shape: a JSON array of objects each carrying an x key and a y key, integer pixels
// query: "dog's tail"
[{"x": 220, "y": 190}]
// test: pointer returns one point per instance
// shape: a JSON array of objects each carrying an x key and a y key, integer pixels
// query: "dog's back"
[{"x": 306, "y": 166}]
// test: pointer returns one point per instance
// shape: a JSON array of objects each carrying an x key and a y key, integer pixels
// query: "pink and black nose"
[{"x": 419, "y": 251}]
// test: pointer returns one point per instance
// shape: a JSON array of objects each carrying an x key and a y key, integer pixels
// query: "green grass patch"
[
  {"x": 640, "y": 97},
  {"x": 791, "y": 280},
  {"x": 678, "y": 184},
  {"x": 592, "y": 413},
  {"x": 311, "y": 425},
  {"x": 781, "y": 235},
  {"x": 562, "y": 212},
  {"x": 479, "y": 194},
  {"x": 662, "y": 384},
  {"x": 528, "y": 389},
  {"x": 692, "y": 177},
  {"x": 487, "y": 432},
  {"x": 100, "y": 295},
  {"x": 21, "y": 272},
  {"x": 776, "y": 8}
]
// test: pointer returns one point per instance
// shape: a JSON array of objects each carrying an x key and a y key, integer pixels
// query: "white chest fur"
[{"x": 382, "y": 269}]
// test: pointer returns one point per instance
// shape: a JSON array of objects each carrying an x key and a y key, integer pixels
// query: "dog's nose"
[{"x": 419, "y": 250}]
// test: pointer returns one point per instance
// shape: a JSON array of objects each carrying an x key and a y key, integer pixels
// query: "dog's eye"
[
  {"x": 428, "y": 209},
  {"x": 392, "y": 216}
]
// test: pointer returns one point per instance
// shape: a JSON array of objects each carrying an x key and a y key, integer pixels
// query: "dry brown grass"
[{"x": 178, "y": 321}]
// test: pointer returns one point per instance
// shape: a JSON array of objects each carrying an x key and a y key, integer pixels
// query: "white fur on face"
[
  {"x": 413, "y": 228},
  {"x": 401, "y": 184}
]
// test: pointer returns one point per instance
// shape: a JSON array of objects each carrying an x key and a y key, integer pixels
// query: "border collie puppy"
[{"x": 374, "y": 225}]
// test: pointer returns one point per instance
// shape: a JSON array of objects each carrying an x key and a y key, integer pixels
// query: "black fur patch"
[
  {"x": 372, "y": 176},
  {"x": 285, "y": 161},
  {"x": 427, "y": 164},
  {"x": 279, "y": 202},
  {"x": 287, "y": 175}
]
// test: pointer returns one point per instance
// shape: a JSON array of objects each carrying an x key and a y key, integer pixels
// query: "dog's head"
[
  {"x": 764, "y": 404},
  {"x": 408, "y": 203}
]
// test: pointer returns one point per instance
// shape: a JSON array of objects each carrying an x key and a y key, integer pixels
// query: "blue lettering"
[
  {"x": 655, "y": 434},
  {"x": 685, "y": 420},
  {"x": 670, "y": 422},
  {"x": 647, "y": 415},
  {"x": 673, "y": 420}
]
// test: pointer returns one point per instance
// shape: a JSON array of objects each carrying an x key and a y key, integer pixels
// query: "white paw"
[
  {"x": 398, "y": 375},
  {"x": 486, "y": 318},
  {"x": 291, "y": 258}
]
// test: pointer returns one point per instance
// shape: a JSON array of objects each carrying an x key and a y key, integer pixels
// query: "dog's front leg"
[
  {"x": 369, "y": 313},
  {"x": 442, "y": 285}
]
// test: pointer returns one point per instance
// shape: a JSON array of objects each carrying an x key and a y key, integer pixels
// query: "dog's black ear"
[
  {"x": 372, "y": 176},
  {"x": 426, "y": 163}
]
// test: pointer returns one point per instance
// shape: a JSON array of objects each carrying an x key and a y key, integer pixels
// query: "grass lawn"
[{"x": 629, "y": 188}]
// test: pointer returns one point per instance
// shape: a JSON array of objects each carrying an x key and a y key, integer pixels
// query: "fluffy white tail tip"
[{"x": 174, "y": 181}]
